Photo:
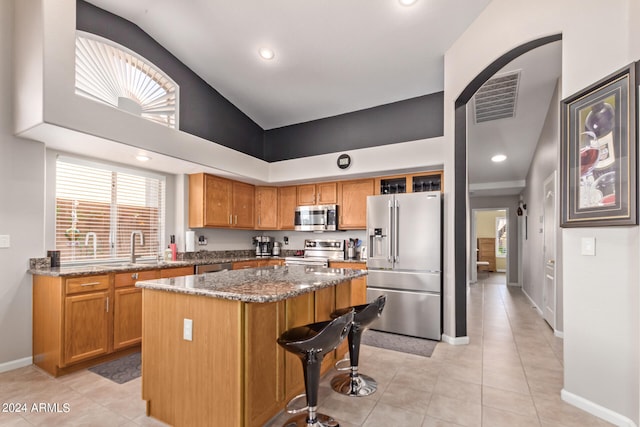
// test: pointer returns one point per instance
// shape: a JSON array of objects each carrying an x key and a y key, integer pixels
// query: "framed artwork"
[{"x": 598, "y": 153}]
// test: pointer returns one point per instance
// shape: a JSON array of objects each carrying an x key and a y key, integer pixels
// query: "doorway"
[{"x": 490, "y": 242}]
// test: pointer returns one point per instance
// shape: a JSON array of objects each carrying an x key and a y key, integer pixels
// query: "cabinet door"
[
  {"x": 287, "y": 201},
  {"x": 243, "y": 208},
  {"x": 325, "y": 304},
  {"x": 217, "y": 202},
  {"x": 306, "y": 195},
  {"x": 86, "y": 326},
  {"x": 353, "y": 203},
  {"x": 127, "y": 317},
  {"x": 359, "y": 290},
  {"x": 327, "y": 193},
  {"x": 343, "y": 300},
  {"x": 266, "y": 208},
  {"x": 264, "y": 362}
]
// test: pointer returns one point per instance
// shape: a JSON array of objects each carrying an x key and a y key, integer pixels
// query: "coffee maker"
[{"x": 264, "y": 246}]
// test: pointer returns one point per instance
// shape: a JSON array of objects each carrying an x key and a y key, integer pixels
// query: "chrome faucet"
[
  {"x": 133, "y": 244},
  {"x": 95, "y": 242}
]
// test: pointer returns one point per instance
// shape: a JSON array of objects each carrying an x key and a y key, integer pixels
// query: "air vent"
[{"x": 496, "y": 99}]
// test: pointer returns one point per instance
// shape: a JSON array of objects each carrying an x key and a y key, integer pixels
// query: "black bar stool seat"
[
  {"x": 310, "y": 343},
  {"x": 354, "y": 383}
]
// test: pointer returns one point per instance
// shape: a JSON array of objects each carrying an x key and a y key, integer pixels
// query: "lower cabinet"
[{"x": 86, "y": 326}]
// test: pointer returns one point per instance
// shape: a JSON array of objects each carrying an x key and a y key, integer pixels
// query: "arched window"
[{"x": 110, "y": 73}]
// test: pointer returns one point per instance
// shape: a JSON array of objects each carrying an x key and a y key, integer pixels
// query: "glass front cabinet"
[{"x": 413, "y": 183}]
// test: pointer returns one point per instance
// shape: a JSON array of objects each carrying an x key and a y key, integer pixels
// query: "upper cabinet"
[
  {"x": 266, "y": 203},
  {"x": 352, "y": 200},
  {"x": 220, "y": 202},
  {"x": 324, "y": 193},
  {"x": 413, "y": 183},
  {"x": 287, "y": 201}
]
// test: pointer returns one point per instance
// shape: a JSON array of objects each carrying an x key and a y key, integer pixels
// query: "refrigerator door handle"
[
  {"x": 396, "y": 220},
  {"x": 391, "y": 235}
]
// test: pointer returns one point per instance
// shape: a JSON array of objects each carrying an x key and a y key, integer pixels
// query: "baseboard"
[
  {"x": 516, "y": 284},
  {"x": 597, "y": 410},
  {"x": 532, "y": 302},
  {"x": 455, "y": 340},
  {"x": 559, "y": 334},
  {"x": 15, "y": 364}
]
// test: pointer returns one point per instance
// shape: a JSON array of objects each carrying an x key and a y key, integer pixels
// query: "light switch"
[
  {"x": 588, "y": 246},
  {"x": 187, "y": 332},
  {"x": 4, "y": 241}
]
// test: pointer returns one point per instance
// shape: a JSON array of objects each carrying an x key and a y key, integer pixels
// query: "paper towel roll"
[{"x": 190, "y": 241}]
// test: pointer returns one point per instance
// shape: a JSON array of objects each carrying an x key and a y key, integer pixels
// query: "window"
[
  {"x": 501, "y": 236},
  {"x": 98, "y": 206},
  {"x": 110, "y": 73}
]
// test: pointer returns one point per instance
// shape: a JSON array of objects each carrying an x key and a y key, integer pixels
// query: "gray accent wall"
[
  {"x": 204, "y": 112},
  {"x": 409, "y": 120}
]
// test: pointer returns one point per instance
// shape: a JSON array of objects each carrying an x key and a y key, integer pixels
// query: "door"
[
  {"x": 549, "y": 287},
  {"x": 417, "y": 231},
  {"x": 379, "y": 226}
]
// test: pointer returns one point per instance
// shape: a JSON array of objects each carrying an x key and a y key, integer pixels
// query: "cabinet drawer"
[
  {"x": 88, "y": 283},
  {"x": 130, "y": 278}
]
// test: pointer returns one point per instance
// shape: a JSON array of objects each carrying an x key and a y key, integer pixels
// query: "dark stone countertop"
[{"x": 263, "y": 284}]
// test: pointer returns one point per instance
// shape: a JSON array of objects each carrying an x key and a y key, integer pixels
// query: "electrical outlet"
[
  {"x": 588, "y": 246},
  {"x": 187, "y": 332},
  {"x": 4, "y": 241}
]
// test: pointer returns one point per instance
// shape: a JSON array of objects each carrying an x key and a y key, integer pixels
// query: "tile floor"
[{"x": 509, "y": 375}]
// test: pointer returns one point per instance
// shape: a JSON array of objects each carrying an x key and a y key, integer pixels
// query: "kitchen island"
[{"x": 210, "y": 355}]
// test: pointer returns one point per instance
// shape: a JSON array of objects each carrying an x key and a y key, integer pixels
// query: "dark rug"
[
  {"x": 402, "y": 343},
  {"x": 120, "y": 370}
]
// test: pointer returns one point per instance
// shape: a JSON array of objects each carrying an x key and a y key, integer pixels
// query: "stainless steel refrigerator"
[{"x": 404, "y": 262}]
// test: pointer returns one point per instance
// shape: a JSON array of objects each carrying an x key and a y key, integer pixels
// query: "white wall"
[
  {"x": 21, "y": 214},
  {"x": 601, "y": 327},
  {"x": 545, "y": 161}
]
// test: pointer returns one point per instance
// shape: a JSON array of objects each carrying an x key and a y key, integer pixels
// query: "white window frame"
[{"x": 500, "y": 220}]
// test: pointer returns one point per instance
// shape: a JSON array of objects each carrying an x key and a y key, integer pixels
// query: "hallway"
[{"x": 509, "y": 375}]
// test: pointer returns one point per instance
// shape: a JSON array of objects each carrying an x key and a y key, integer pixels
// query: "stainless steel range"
[{"x": 318, "y": 252}]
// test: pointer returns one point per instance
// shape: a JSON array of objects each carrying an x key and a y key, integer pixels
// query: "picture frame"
[{"x": 598, "y": 162}]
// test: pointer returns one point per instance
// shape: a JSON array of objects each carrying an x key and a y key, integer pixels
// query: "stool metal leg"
[{"x": 354, "y": 383}]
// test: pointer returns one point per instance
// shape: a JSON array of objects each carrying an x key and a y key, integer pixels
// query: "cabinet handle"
[
  {"x": 107, "y": 304},
  {"x": 90, "y": 284},
  {"x": 236, "y": 219},
  {"x": 134, "y": 276},
  {"x": 258, "y": 219}
]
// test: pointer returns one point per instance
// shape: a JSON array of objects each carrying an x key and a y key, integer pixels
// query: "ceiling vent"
[{"x": 496, "y": 99}]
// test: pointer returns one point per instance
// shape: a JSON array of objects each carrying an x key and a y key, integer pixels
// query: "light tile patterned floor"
[{"x": 509, "y": 375}]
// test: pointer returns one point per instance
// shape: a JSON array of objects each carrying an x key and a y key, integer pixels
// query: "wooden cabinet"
[
  {"x": 220, "y": 202},
  {"x": 352, "y": 196},
  {"x": 243, "y": 196},
  {"x": 487, "y": 253},
  {"x": 86, "y": 326},
  {"x": 240, "y": 265},
  {"x": 127, "y": 308},
  {"x": 324, "y": 193},
  {"x": 266, "y": 208},
  {"x": 287, "y": 202}
]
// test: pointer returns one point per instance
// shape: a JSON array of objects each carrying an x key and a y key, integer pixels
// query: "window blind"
[{"x": 99, "y": 206}]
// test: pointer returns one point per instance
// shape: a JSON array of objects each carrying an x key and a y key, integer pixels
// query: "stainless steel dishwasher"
[{"x": 212, "y": 268}]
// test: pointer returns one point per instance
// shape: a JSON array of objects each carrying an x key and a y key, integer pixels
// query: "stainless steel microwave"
[{"x": 316, "y": 218}]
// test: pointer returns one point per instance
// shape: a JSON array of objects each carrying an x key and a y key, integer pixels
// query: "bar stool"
[
  {"x": 354, "y": 383},
  {"x": 310, "y": 343}
]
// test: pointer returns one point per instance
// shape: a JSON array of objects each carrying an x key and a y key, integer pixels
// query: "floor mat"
[
  {"x": 120, "y": 370},
  {"x": 402, "y": 343}
]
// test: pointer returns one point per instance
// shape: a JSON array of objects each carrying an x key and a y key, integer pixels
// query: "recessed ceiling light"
[
  {"x": 407, "y": 2},
  {"x": 143, "y": 158},
  {"x": 499, "y": 158},
  {"x": 266, "y": 53}
]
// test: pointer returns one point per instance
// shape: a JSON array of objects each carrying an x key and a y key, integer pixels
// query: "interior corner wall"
[
  {"x": 601, "y": 303},
  {"x": 545, "y": 162},
  {"x": 21, "y": 213}
]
